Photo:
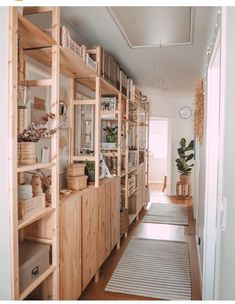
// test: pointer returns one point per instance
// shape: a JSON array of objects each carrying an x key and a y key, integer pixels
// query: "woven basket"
[
  {"x": 27, "y": 153},
  {"x": 77, "y": 182},
  {"x": 76, "y": 170},
  {"x": 124, "y": 221},
  {"x": 29, "y": 207}
]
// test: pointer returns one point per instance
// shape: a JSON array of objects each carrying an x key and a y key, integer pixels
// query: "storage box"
[
  {"x": 77, "y": 182},
  {"x": 34, "y": 259},
  {"x": 76, "y": 169},
  {"x": 31, "y": 206}
]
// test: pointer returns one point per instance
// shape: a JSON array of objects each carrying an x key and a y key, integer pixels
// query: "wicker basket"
[
  {"x": 77, "y": 182},
  {"x": 76, "y": 170},
  {"x": 124, "y": 221},
  {"x": 27, "y": 153},
  {"x": 31, "y": 206},
  {"x": 69, "y": 44}
]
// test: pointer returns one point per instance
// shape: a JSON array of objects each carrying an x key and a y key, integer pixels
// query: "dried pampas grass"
[{"x": 199, "y": 111}]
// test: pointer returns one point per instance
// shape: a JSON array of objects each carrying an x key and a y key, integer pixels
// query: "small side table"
[{"x": 183, "y": 190}]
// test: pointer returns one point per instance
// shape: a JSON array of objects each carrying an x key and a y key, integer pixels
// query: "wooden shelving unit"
[
  {"x": 35, "y": 226},
  {"x": 43, "y": 226}
]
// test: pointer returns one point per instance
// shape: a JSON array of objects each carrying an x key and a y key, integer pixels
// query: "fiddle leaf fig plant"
[{"x": 185, "y": 156}]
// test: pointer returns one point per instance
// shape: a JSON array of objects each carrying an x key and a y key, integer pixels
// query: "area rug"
[
  {"x": 167, "y": 214},
  {"x": 153, "y": 268}
]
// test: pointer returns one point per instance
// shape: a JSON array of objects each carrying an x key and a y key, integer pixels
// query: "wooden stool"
[
  {"x": 183, "y": 190},
  {"x": 164, "y": 183}
]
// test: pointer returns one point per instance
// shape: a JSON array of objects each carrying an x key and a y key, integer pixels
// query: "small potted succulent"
[
  {"x": 111, "y": 137},
  {"x": 182, "y": 163}
]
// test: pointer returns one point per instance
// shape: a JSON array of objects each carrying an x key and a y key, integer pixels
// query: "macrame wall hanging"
[{"x": 199, "y": 111}]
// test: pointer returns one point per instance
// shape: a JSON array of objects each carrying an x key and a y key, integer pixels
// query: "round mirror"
[{"x": 62, "y": 108}]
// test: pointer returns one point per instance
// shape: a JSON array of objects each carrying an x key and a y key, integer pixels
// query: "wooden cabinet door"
[
  {"x": 115, "y": 188},
  {"x": 70, "y": 248},
  {"x": 89, "y": 235},
  {"x": 104, "y": 222}
]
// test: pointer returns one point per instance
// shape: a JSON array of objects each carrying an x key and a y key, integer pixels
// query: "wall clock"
[{"x": 185, "y": 112}]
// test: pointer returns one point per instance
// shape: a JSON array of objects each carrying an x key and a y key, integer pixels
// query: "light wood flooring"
[{"x": 95, "y": 291}]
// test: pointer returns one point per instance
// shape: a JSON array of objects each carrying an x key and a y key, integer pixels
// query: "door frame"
[{"x": 169, "y": 155}]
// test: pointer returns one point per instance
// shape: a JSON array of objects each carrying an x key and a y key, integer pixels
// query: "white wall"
[
  {"x": 168, "y": 107},
  {"x": 5, "y": 286},
  {"x": 157, "y": 169},
  {"x": 227, "y": 269}
]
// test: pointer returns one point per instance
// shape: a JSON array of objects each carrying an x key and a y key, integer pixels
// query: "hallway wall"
[
  {"x": 227, "y": 269},
  {"x": 168, "y": 107}
]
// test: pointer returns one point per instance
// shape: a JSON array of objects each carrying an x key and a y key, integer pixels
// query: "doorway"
[{"x": 158, "y": 156}]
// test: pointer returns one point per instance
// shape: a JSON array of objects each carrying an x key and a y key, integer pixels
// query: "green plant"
[
  {"x": 90, "y": 166},
  {"x": 111, "y": 134},
  {"x": 182, "y": 162}
]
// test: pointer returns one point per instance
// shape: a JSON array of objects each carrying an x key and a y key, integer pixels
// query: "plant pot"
[
  {"x": 91, "y": 176},
  {"x": 185, "y": 179},
  {"x": 27, "y": 153}
]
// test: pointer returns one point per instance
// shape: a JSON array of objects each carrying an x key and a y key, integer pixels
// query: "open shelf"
[
  {"x": 132, "y": 217},
  {"x": 132, "y": 192},
  {"x": 37, "y": 282},
  {"x": 24, "y": 168},
  {"x": 106, "y": 88},
  {"x": 31, "y": 36},
  {"x": 132, "y": 169},
  {"x": 35, "y": 217},
  {"x": 71, "y": 65},
  {"x": 83, "y": 158}
]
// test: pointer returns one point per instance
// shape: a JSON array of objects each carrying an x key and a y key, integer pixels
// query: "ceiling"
[{"x": 170, "y": 69}]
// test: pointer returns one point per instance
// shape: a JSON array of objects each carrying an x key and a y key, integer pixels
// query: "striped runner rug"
[
  {"x": 153, "y": 268},
  {"x": 167, "y": 214}
]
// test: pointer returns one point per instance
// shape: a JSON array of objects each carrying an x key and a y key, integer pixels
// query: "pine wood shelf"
[
  {"x": 36, "y": 166},
  {"x": 71, "y": 66},
  {"x": 106, "y": 88},
  {"x": 132, "y": 218},
  {"x": 132, "y": 170},
  {"x": 35, "y": 217},
  {"x": 37, "y": 282},
  {"x": 31, "y": 36}
]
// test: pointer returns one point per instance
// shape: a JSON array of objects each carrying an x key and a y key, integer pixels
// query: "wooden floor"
[{"x": 95, "y": 291}]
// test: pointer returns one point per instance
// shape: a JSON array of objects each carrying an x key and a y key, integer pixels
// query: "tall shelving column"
[{"x": 46, "y": 231}]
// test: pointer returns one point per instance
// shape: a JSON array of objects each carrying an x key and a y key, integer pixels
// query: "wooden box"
[
  {"x": 77, "y": 182},
  {"x": 31, "y": 206},
  {"x": 76, "y": 170},
  {"x": 33, "y": 261},
  {"x": 124, "y": 221}
]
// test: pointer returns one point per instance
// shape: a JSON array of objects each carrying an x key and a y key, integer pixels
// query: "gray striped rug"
[
  {"x": 153, "y": 268},
  {"x": 167, "y": 214}
]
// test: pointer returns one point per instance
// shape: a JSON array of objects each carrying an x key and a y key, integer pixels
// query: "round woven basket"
[{"x": 27, "y": 153}]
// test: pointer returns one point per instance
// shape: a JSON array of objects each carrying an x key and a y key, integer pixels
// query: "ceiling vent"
[{"x": 154, "y": 26}]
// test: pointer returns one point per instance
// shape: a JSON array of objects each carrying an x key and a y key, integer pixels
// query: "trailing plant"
[
  {"x": 34, "y": 132},
  {"x": 182, "y": 162}
]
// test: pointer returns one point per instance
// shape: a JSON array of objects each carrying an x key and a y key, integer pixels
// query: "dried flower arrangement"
[
  {"x": 199, "y": 111},
  {"x": 34, "y": 132}
]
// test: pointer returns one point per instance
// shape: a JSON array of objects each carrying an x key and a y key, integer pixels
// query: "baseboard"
[{"x": 155, "y": 182}]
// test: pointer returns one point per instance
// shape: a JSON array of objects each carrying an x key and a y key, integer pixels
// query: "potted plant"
[
  {"x": 90, "y": 171},
  {"x": 111, "y": 134},
  {"x": 182, "y": 163}
]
